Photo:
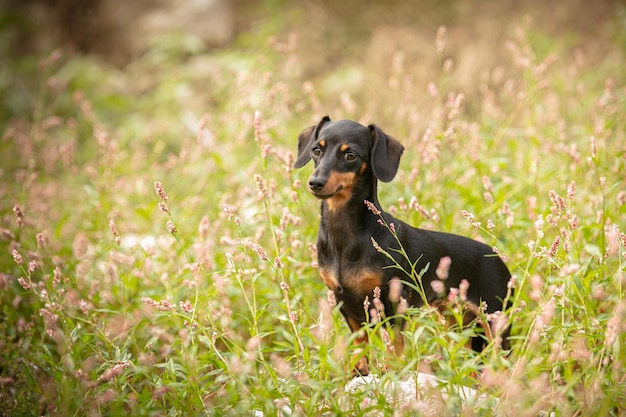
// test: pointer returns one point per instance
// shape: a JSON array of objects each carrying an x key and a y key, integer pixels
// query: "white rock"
[{"x": 424, "y": 393}]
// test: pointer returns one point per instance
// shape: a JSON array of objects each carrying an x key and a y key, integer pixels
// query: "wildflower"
[
  {"x": 544, "y": 318},
  {"x": 261, "y": 186},
  {"x": 293, "y": 316},
  {"x": 612, "y": 240},
  {"x": 163, "y": 207},
  {"x": 56, "y": 280},
  {"x": 17, "y": 257},
  {"x": 258, "y": 119},
  {"x": 32, "y": 265},
  {"x": 470, "y": 217},
  {"x": 84, "y": 306},
  {"x": 171, "y": 227},
  {"x": 508, "y": 213},
  {"x": 554, "y": 247},
  {"x": 229, "y": 212},
  {"x": 19, "y": 215},
  {"x": 25, "y": 284},
  {"x": 437, "y": 286},
  {"x": 440, "y": 39},
  {"x": 387, "y": 340},
  {"x": 487, "y": 184},
  {"x": 376, "y": 245},
  {"x": 377, "y": 292},
  {"x": 537, "y": 284},
  {"x": 114, "y": 371},
  {"x": 160, "y": 191},
  {"x": 186, "y": 306},
  {"x": 571, "y": 190},
  {"x": 403, "y": 306},
  {"x": 261, "y": 252},
  {"x": 371, "y": 207},
  {"x": 615, "y": 324},
  {"x": 559, "y": 291},
  {"x": 267, "y": 149},
  {"x": 594, "y": 147},
  {"x": 330, "y": 297},
  {"x": 163, "y": 305},
  {"x": 278, "y": 263},
  {"x": 433, "y": 91},
  {"x": 49, "y": 317},
  {"x": 323, "y": 328},
  {"x": 252, "y": 347},
  {"x": 113, "y": 228},
  {"x": 512, "y": 283},
  {"x": 444, "y": 268},
  {"x": 558, "y": 202},
  {"x": 463, "y": 287},
  {"x": 395, "y": 290},
  {"x": 457, "y": 105},
  {"x": 453, "y": 293},
  {"x": 539, "y": 226},
  {"x": 203, "y": 228},
  {"x": 43, "y": 239}
]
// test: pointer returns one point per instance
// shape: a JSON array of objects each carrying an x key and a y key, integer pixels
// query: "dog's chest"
[{"x": 345, "y": 274}]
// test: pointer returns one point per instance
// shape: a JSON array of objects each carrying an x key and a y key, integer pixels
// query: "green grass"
[{"x": 111, "y": 310}]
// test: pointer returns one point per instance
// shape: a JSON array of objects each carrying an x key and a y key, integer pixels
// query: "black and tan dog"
[{"x": 349, "y": 160}]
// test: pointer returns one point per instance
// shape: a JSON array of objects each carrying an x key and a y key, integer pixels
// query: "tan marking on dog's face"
[
  {"x": 322, "y": 143},
  {"x": 363, "y": 167},
  {"x": 340, "y": 186},
  {"x": 329, "y": 278},
  {"x": 344, "y": 147}
]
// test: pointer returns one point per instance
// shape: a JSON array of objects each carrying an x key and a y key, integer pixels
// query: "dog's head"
[{"x": 344, "y": 151}]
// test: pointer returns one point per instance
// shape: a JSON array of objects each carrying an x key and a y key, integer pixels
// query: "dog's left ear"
[
  {"x": 305, "y": 140},
  {"x": 386, "y": 153}
]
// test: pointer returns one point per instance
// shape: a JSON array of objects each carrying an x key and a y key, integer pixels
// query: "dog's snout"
[{"x": 317, "y": 183}]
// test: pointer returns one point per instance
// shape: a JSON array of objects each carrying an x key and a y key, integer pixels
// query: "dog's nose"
[{"x": 316, "y": 184}]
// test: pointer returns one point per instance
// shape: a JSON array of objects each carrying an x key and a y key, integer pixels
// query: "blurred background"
[{"x": 340, "y": 43}]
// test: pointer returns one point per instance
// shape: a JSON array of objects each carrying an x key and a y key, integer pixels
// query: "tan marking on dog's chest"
[
  {"x": 329, "y": 278},
  {"x": 362, "y": 281}
]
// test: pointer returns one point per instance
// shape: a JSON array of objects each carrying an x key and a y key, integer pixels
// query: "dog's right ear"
[{"x": 305, "y": 140}]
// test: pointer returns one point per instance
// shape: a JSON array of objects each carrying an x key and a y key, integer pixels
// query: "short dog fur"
[{"x": 349, "y": 160}]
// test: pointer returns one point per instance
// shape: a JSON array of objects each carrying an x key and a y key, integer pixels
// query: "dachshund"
[{"x": 356, "y": 254}]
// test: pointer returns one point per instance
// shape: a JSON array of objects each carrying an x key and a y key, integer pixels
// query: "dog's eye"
[
  {"x": 350, "y": 156},
  {"x": 317, "y": 151}
]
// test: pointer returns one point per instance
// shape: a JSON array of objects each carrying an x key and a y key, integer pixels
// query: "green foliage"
[{"x": 158, "y": 246}]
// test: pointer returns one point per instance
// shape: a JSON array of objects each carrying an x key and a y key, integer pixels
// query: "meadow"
[{"x": 158, "y": 248}]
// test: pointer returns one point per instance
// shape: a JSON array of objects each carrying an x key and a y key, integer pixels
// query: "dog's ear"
[
  {"x": 305, "y": 140},
  {"x": 386, "y": 153}
]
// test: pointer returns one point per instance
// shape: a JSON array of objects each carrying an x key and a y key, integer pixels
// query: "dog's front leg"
[{"x": 361, "y": 366}]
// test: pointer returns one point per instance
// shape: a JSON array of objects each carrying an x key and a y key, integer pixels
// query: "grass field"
[{"x": 158, "y": 248}]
